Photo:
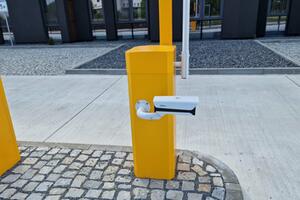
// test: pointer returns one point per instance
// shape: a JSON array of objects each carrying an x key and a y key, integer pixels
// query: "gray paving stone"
[
  {"x": 74, "y": 193},
  {"x": 93, "y": 193},
  {"x": 10, "y": 178},
  {"x": 140, "y": 193},
  {"x": 29, "y": 174},
  {"x": 63, "y": 182},
  {"x": 30, "y": 186},
  {"x": 67, "y": 160},
  {"x": 91, "y": 162},
  {"x": 96, "y": 174},
  {"x": 97, "y": 154},
  {"x": 111, "y": 170},
  {"x": 210, "y": 168},
  {"x": 218, "y": 193},
  {"x": 217, "y": 181},
  {"x": 76, "y": 165},
  {"x": 117, "y": 161},
  {"x": 37, "y": 154},
  {"x": 38, "y": 177},
  {"x": 45, "y": 170},
  {"x": 53, "y": 177},
  {"x": 56, "y": 191},
  {"x": 91, "y": 184},
  {"x": 7, "y": 193},
  {"x": 188, "y": 176},
  {"x": 47, "y": 157},
  {"x": 171, "y": 185},
  {"x": 65, "y": 151},
  {"x": 196, "y": 161},
  {"x": 157, "y": 195},
  {"x": 30, "y": 161},
  {"x": 204, "y": 179},
  {"x": 199, "y": 170},
  {"x": 128, "y": 164},
  {"x": 183, "y": 166},
  {"x": 173, "y": 194},
  {"x": 82, "y": 157},
  {"x": 19, "y": 183},
  {"x": 124, "y": 172},
  {"x": 40, "y": 164},
  {"x": 35, "y": 196},
  {"x": 120, "y": 155},
  {"x": 19, "y": 196},
  {"x": 109, "y": 178},
  {"x": 2, "y": 187},
  {"x": 140, "y": 182},
  {"x": 204, "y": 188},
  {"x": 108, "y": 194},
  {"x": 124, "y": 195},
  {"x": 108, "y": 185},
  {"x": 78, "y": 181},
  {"x": 156, "y": 184},
  {"x": 87, "y": 152},
  {"x": 101, "y": 165},
  {"x": 85, "y": 170},
  {"x": 123, "y": 179},
  {"x": 53, "y": 197},
  {"x": 188, "y": 186},
  {"x": 59, "y": 169},
  {"x": 185, "y": 158},
  {"x": 53, "y": 163},
  {"x": 44, "y": 186},
  {"x": 124, "y": 186},
  {"x": 69, "y": 174},
  {"x": 194, "y": 196},
  {"x": 130, "y": 157},
  {"x": 75, "y": 152},
  {"x": 105, "y": 157}
]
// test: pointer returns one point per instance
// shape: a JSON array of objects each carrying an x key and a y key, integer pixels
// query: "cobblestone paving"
[
  {"x": 56, "y": 173},
  {"x": 205, "y": 54},
  {"x": 55, "y": 60},
  {"x": 289, "y": 49}
]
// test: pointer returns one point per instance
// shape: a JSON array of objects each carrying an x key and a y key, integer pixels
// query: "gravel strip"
[
  {"x": 46, "y": 61},
  {"x": 206, "y": 54}
]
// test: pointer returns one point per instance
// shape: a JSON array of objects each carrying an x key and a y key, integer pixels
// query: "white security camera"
[{"x": 164, "y": 105}]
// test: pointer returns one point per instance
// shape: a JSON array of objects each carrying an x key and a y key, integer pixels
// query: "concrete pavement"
[{"x": 249, "y": 122}]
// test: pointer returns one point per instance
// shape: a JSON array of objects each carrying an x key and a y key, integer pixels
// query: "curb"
[
  {"x": 197, "y": 71},
  {"x": 232, "y": 185}
]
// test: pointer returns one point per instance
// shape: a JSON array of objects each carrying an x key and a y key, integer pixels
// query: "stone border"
[
  {"x": 233, "y": 188},
  {"x": 197, "y": 71}
]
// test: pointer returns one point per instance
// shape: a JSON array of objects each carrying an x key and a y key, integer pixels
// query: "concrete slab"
[
  {"x": 42, "y": 105},
  {"x": 250, "y": 122}
]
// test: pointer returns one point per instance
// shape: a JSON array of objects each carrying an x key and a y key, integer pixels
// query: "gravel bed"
[
  {"x": 289, "y": 49},
  {"x": 46, "y": 61},
  {"x": 206, "y": 54}
]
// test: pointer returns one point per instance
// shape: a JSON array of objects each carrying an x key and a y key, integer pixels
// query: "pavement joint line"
[
  {"x": 293, "y": 81},
  {"x": 80, "y": 111}
]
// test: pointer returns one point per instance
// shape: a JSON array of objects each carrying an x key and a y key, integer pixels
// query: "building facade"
[{"x": 83, "y": 20}]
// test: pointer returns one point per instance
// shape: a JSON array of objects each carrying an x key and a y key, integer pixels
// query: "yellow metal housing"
[
  {"x": 165, "y": 22},
  {"x": 151, "y": 73},
  {"x": 9, "y": 153}
]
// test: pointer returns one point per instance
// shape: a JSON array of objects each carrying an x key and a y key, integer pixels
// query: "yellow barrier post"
[
  {"x": 9, "y": 153},
  {"x": 151, "y": 72}
]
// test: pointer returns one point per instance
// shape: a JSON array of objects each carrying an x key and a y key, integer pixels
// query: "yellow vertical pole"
[
  {"x": 9, "y": 153},
  {"x": 165, "y": 22}
]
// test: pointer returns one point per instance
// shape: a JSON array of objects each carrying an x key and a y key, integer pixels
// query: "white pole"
[
  {"x": 8, "y": 29},
  {"x": 185, "y": 55}
]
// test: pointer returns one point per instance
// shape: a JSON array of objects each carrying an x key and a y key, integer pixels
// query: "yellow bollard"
[
  {"x": 151, "y": 73},
  {"x": 9, "y": 153}
]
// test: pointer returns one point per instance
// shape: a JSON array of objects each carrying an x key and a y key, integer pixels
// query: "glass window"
[
  {"x": 51, "y": 12},
  {"x": 278, "y": 7},
  {"x": 194, "y": 8},
  {"x": 123, "y": 10},
  {"x": 97, "y": 10},
  {"x": 139, "y": 9},
  {"x": 212, "y": 8}
]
